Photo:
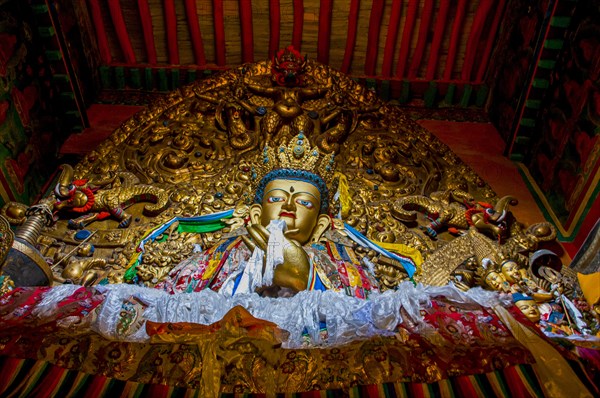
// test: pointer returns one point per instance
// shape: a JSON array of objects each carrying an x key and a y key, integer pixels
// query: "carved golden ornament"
[
  {"x": 7, "y": 238},
  {"x": 6, "y": 284},
  {"x": 14, "y": 212},
  {"x": 192, "y": 152},
  {"x": 298, "y": 154}
]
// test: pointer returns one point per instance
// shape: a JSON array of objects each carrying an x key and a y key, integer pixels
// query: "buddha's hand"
[{"x": 294, "y": 271}]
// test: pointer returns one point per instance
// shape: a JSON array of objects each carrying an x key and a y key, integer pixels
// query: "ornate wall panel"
[
  {"x": 27, "y": 123},
  {"x": 562, "y": 158}
]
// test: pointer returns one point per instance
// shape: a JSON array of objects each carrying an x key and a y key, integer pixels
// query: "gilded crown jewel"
[{"x": 297, "y": 160}]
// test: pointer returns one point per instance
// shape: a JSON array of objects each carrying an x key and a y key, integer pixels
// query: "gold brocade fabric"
[
  {"x": 232, "y": 360},
  {"x": 240, "y": 353}
]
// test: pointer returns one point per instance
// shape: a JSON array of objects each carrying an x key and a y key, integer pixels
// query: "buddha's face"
[
  {"x": 510, "y": 271},
  {"x": 530, "y": 309},
  {"x": 494, "y": 280},
  {"x": 296, "y": 202}
]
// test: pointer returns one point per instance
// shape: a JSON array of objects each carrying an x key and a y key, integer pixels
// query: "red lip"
[{"x": 286, "y": 214}]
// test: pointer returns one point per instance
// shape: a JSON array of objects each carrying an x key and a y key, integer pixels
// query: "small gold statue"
[
  {"x": 490, "y": 275},
  {"x": 528, "y": 307}
]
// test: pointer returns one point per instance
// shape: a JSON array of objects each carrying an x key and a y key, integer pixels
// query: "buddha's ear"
[
  {"x": 255, "y": 212},
  {"x": 323, "y": 223}
]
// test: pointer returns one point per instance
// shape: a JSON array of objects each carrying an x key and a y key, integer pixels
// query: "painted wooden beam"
[
  {"x": 100, "y": 32},
  {"x": 148, "y": 31},
  {"x": 171, "y": 24},
  {"x": 116, "y": 14},
  {"x": 247, "y": 31},
  {"x": 274, "y": 26},
  {"x": 324, "y": 35},
  {"x": 191, "y": 13},
  {"x": 350, "y": 36}
]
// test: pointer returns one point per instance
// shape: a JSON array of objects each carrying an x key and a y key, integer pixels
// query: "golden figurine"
[
  {"x": 510, "y": 270},
  {"x": 528, "y": 307},
  {"x": 491, "y": 276}
]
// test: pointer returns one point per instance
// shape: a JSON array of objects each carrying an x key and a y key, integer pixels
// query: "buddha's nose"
[{"x": 289, "y": 204}]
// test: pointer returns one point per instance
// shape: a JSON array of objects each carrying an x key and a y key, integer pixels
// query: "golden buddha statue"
[{"x": 282, "y": 250}]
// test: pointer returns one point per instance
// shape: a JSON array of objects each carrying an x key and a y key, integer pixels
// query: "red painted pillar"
[
  {"x": 219, "y": 31},
  {"x": 324, "y": 36},
  {"x": 298, "y": 24},
  {"x": 275, "y": 22},
  {"x": 171, "y": 23},
  {"x": 100, "y": 32},
  {"x": 247, "y": 33},
  {"x": 351, "y": 36},
  {"x": 411, "y": 16},
  {"x": 390, "y": 40},
  {"x": 148, "y": 31},
  {"x": 192, "y": 19},
  {"x": 116, "y": 14},
  {"x": 373, "y": 36}
]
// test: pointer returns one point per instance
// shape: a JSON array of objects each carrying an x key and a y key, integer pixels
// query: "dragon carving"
[
  {"x": 456, "y": 211},
  {"x": 92, "y": 202}
]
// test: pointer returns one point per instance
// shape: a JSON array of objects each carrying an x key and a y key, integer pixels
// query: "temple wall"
[
  {"x": 547, "y": 108},
  {"x": 45, "y": 81},
  {"x": 564, "y": 160},
  {"x": 28, "y": 137}
]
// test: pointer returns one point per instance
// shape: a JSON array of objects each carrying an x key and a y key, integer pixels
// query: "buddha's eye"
[
  {"x": 275, "y": 199},
  {"x": 306, "y": 203}
]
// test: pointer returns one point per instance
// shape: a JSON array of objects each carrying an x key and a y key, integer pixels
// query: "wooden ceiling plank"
[
  {"x": 391, "y": 38},
  {"x": 455, "y": 39},
  {"x": 407, "y": 32},
  {"x": 116, "y": 15},
  {"x": 195, "y": 33},
  {"x": 351, "y": 36}
]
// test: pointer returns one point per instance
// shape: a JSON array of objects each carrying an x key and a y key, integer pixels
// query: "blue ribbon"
[{"x": 359, "y": 238}]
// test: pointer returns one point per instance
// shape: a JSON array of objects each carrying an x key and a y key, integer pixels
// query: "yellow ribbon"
[
  {"x": 556, "y": 376},
  {"x": 404, "y": 250},
  {"x": 590, "y": 286},
  {"x": 344, "y": 190}
]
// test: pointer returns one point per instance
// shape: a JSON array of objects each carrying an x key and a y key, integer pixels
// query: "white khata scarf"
[{"x": 253, "y": 274}]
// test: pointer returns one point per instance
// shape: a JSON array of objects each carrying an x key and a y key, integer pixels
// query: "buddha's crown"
[{"x": 295, "y": 161}]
